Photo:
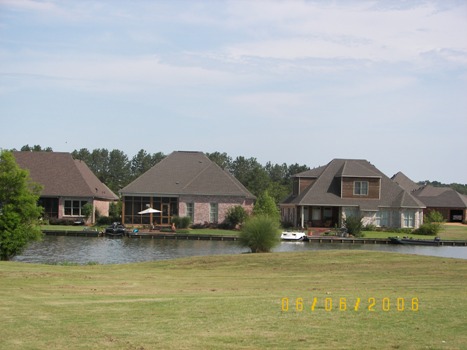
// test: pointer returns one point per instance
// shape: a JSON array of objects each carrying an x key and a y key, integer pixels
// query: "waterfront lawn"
[
  {"x": 238, "y": 302},
  {"x": 448, "y": 232}
]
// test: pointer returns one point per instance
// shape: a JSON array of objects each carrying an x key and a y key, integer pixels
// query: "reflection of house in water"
[
  {"x": 325, "y": 196},
  {"x": 445, "y": 200},
  {"x": 184, "y": 184},
  {"x": 68, "y": 184}
]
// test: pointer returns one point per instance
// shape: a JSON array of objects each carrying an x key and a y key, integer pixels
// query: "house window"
[
  {"x": 73, "y": 207},
  {"x": 360, "y": 188},
  {"x": 382, "y": 218},
  {"x": 409, "y": 219},
  {"x": 213, "y": 213},
  {"x": 316, "y": 213},
  {"x": 190, "y": 211}
]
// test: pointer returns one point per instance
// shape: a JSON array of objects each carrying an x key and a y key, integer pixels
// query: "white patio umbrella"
[{"x": 149, "y": 211}]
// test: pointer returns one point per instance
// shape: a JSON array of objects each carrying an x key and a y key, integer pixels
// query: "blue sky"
[{"x": 281, "y": 81}]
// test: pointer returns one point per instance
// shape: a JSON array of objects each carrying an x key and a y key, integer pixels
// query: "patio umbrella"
[{"x": 149, "y": 211}]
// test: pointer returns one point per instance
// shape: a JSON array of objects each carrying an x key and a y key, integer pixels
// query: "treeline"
[{"x": 116, "y": 169}]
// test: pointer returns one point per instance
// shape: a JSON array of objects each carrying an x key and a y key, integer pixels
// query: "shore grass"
[
  {"x": 449, "y": 231},
  {"x": 238, "y": 302}
]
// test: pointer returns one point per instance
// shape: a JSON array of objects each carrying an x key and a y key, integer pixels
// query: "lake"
[{"x": 82, "y": 250}]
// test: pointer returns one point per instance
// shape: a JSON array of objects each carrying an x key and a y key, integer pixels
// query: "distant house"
[
  {"x": 68, "y": 184},
  {"x": 450, "y": 203},
  {"x": 325, "y": 196},
  {"x": 184, "y": 184}
]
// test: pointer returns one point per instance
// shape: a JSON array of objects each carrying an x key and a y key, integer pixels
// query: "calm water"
[{"x": 82, "y": 250}]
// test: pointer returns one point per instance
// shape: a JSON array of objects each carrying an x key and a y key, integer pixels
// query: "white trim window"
[
  {"x": 409, "y": 219},
  {"x": 360, "y": 188},
  {"x": 72, "y": 207},
  {"x": 190, "y": 210},
  {"x": 382, "y": 218},
  {"x": 213, "y": 212}
]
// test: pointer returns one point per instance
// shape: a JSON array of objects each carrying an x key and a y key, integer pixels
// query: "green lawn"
[
  {"x": 448, "y": 232},
  {"x": 239, "y": 302}
]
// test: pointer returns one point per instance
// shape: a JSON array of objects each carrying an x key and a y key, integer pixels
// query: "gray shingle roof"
[
  {"x": 325, "y": 191},
  {"x": 431, "y": 196},
  {"x": 186, "y": 173},
  {"x": 62, "y": 176},
  {"x": 444, "y": 197},
  {"x": 406, "y": 183}
]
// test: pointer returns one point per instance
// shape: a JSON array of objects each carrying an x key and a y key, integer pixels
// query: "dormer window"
[{"x": 360, "y": 188}]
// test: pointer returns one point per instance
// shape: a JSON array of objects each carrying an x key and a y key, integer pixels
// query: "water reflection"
[{"x": 54, "y": 249}]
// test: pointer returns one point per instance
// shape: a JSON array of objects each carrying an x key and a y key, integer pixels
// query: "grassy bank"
[
  {"x": 237, "y": 302},
  {"x": 448, "y": 232}
]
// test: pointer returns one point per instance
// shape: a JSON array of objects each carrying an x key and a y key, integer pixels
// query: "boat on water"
[
  {"x": 294, "y": 236},
  {"x": 411, "y": 241},
  {"x": 115, "y": 230}
]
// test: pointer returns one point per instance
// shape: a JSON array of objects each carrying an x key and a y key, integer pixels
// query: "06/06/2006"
[{"x": 342, "y": 304}]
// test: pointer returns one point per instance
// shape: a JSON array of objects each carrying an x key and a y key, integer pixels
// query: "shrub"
[
  {"x": 64, "y": 222},
  {"x": 235, "y": 216},
  {"x": 370, "y": 227},
  {"x": 434, "y": 216},
  {"x": 86, "y": 210},
  {"x": 428, "y": 229},
  {"x": 106, "y": 220},
  {"x": 260, "y": 233},
  {"x": 181, "y": 222},
  {"x": 354, "y": 226}
]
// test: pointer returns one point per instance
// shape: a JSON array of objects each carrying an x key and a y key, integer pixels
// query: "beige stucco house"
[{"x": 325, "y": 196}]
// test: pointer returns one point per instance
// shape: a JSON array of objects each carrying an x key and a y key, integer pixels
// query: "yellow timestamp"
[{"x": 343, "y": 304}]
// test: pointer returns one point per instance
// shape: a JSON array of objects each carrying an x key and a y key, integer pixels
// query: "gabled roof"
[
  {"x": 186, "y": 173},
  {"x": 444, "y": 197},
  {"x": 431, "y": 196},
  {"x": 62, "y": 176},
  {"x": 326, "y": 190},
  {"x": 406, "y": 183}
]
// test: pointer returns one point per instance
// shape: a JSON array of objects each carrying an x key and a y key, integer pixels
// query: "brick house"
[
  {"x": 68, "y": 184},
  {"x": 450, "y": 203},
  {"x": 184, "y": 184},
  {"x": 325, "y": 196}
]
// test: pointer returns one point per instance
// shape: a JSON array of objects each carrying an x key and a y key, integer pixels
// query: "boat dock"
[
  {"x": 207, "y": 237},
  {"x": 72, "y": 233},
  {"x": 332, "y": 239},
  {"x": 181, "y": 236}
]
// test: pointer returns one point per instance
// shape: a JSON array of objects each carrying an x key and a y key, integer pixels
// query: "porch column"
[{"x": 302, "y": 219}]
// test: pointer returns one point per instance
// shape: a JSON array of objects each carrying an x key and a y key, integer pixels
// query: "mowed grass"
[
  {"x": 238, "y": 302},
  {"x": 449, "y": 231}
]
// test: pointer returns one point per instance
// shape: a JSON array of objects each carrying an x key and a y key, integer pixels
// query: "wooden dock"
[
  {"x": 195, "y": 237},
  {"x": 331, "y": 239},
  {"x": 72, "y": 233},
  {"x": 180, "y": 236}
]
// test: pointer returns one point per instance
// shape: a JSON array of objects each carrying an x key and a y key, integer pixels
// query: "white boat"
[{"x": 294, "y": 236}]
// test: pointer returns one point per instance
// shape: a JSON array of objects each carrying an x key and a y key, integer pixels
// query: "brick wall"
[{"x": 202, "y": 206}]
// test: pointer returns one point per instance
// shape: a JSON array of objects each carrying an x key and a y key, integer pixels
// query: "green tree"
[
  {"x": 36, "y": 148},
  {"x": 266, "y": 206},
  {"x": 86, "y": 210},
  {"x": 19, "y": 212},
  {"x": 144, "y": 161},
  {"x": 235, "y": 216},
  {"x": 354, "y": 225},
  {"x": 221, "y": 159},
  {"x": 434, "y": 216},
  {"x": 260, "y": 233}
]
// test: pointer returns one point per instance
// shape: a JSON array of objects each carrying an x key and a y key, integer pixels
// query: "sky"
[{"x": 280, "y": 81}]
